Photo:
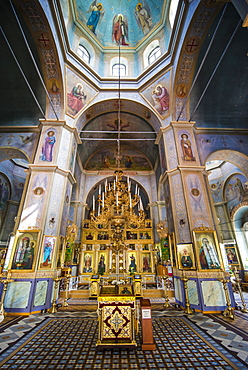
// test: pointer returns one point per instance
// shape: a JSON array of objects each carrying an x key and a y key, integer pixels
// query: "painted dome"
[{"x": 133, "y": 21}]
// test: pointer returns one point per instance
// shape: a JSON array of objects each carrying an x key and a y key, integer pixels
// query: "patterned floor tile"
[{"x": 69, "y": 343}]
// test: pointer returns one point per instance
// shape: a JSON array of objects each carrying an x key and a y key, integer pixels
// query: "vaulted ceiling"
[
  {"x": 223, "y": 104},
  {"x": 102, "y": 29}
]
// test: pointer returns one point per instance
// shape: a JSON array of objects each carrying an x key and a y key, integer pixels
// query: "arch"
[
  {"x": 190, "y": 50},
  {"x": 6, "y": 195},
  {"x": 110, "y": 105},
  {"x": 118, "y": 61},
  {"x": 148, "y": 50},
  {"x": 7, "y": 152},
  {"x": 238, "y": 220},
  {"x": 173, "y": 11},
  {"x": 119, "y": 69},
  {"x": 113, "y": 166},
  {"x": 88, "y": 46},
  {"x": 238, "y": 159},
  {"x": 84, "y": 53},
  {"x": 48, "y": 55}
]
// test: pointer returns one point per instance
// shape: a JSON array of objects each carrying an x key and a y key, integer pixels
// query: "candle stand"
[
  {"x": 54, "y": 307},
  {"x": 167, "y": 301},
  {"x": 67, "y": 280},
  {"x": 187, "y": 310},
  {"x": 228, "y": 312},
  {"x": 237, "y": 281},
  {"x": 5, "y": 283}
]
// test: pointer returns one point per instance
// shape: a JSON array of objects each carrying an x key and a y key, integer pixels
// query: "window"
[
  {"x": 173, "y": 11},
  {"x": 151, "y": 53},
  {"x": 119, "y": 68},
  {"x": 118, "y": 65},
  {"x": 84, "y": 54},
  {"x": 154, "y": 54}
]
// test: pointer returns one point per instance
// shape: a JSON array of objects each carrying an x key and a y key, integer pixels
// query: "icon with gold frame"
[
  {"x": 207, "y": 250},
  {"x": 102, "y": 263},
  {"x": 125, "y": 289},
  {"x": 231, "y": 254},
  {"x": 88, "y": 262},
  {"x": 146, "y": 262},
  {"x": 185, "y": 255},
  {"x": 48, "y": 252},
  {"x": 25, "y": 250},
  {"x": 132, "y": 262}
]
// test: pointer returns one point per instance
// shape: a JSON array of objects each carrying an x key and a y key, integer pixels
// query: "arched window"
[
  {"x": 151, "y": 53},
  {"x": 173, "y": 11},
  {"x": 118, "y": 68},
  {"x": 84, "y": 54},
  {"x": 154, "y": 54}
]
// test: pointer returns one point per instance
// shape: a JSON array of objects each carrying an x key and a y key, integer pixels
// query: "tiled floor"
[{"x": 66, "y": 340}]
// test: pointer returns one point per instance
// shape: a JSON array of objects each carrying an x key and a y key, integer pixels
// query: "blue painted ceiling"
[{"x": 100, "y": 17}]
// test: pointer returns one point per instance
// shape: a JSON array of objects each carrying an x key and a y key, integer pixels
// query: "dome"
[{"x": 139, "y": 20}]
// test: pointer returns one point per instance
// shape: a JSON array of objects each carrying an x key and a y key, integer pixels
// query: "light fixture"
[{"x": 116, "y": 207}]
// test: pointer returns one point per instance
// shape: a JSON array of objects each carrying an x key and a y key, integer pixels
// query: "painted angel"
[
  {"x": 97, "y": 13},
  {"x": 120, "y": 29},
  {"x": 143, "y": 16}
]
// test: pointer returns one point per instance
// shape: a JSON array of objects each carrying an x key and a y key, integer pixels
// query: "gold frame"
[
  {"x": 129, "y": 254},
  {"x": 60, "y": 252},
  {"x": 214, "y": 249},
  {"x": 92, "y": 255},
  {"x": 172, "y": 245},
  {"x": 48, "y": 239},
  {"x": 129, "y": 288},
  {"x": 231, "y": 246},
  {"x": 189, "y": 263},
  {"x": 146, "y": 254},
  {"x": 87, "y": 232},
  {"x": 20, "y": 235},
  {"x": 99, "y": 254}
]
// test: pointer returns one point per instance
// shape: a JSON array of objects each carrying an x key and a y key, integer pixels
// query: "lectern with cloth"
[{"x": 116, "y": 310}]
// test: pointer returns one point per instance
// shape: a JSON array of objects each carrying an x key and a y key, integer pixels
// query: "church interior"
[{"x": 124, "y": 184}]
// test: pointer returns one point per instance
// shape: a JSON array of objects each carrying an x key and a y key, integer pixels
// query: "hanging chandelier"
[{"x": 116, "y": 206}]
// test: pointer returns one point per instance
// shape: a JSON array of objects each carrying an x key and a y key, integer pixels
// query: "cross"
[
  {"x": 185, "y": 68},
  {"x": 34, "y": 16},
  {"x": 46, "y": 41},
  {"x": 190, "y": 48},
  {"x": 205, "y": 18},
  {"x": 116, "y": 104},
  {"x": 50, "y": 63},
  {"x": 116, "y": 321},
  {"x": 184, "y": 72}
]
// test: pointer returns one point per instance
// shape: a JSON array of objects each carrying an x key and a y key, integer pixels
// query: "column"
[{"x": 43, "y": 219}]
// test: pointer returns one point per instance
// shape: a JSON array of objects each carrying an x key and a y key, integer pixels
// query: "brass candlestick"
[
  {"x": 187, "y": 310},
  {"x": 5, "y": 283},
  {"x": 228, "y": 312},
  {"x": 54, "y": 307},
  {"x": 167, "y": 301},
  {"x": 237, "y": 281},
  {"x": 67, "y": 277}
]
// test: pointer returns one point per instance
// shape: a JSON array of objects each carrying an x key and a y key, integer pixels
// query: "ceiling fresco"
[
  {"x": 143, "y": 150},
  {"x": 130, "y": 159},
  {"x": 112, "y": 22}
]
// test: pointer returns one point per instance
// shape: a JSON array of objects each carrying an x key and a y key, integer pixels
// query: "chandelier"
[{"x": 117, "y": 207}]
